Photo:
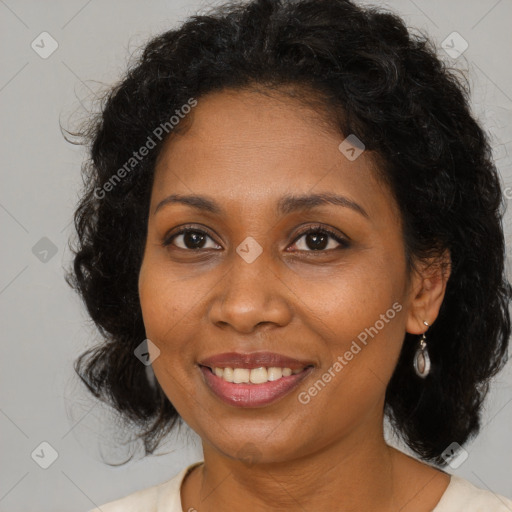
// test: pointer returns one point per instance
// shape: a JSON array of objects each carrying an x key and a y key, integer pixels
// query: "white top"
[{"x": 460, "y": 496}]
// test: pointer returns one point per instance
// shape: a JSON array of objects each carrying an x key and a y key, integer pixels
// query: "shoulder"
[
  {"x": 462, "y": 496},
  {"x": 165, "y": 496}
]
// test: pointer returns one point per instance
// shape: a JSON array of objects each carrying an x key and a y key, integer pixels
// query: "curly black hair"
[{"x": 373, "y": 78}]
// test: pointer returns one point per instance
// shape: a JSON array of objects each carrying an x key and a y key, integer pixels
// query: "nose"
[{"x": 249, "y": 295}]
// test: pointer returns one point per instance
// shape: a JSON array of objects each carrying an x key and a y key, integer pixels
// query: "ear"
[{"x": 427, "y": 292}]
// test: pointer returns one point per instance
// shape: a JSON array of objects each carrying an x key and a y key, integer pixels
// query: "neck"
[{"x": 355, "y": 473}]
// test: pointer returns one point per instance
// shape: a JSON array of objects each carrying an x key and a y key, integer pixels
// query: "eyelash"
[{"x": 311, "y": 229}]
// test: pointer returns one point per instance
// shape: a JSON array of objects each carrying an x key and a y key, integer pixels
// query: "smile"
[
  {"x": 255, "y": 387},
  {"x": 254, "y": 375}
]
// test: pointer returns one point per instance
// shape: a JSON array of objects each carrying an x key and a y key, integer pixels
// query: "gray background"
[{"x": 43, "y": 324}]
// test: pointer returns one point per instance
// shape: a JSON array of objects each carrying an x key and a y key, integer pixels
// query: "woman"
[{"x": 291, "y": 214}]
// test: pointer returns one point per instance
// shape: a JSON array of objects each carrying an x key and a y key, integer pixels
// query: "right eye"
[{"x": 190, "y": 239}]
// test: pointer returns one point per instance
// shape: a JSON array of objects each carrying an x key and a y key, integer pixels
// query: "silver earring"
[{"x": 421, "y": 357}]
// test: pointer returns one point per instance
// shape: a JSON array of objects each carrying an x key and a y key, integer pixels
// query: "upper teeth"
[{"x": 254, "y": 375}]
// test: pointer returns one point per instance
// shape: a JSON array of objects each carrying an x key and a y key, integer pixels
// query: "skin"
[{"x": 245, "y": 150}]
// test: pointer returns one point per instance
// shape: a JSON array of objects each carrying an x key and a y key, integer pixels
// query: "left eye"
[{"x": 317, "y": 239}]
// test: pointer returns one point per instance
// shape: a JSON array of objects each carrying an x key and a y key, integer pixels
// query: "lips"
[
  {"x": 249, "y": 394},
  {"x": 254, "y": 360}
]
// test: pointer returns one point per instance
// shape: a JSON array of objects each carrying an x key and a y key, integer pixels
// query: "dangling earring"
[{"x": 421, "y": 357}]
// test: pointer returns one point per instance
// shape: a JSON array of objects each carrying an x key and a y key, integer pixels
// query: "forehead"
[{"x": 250, "y": 148}]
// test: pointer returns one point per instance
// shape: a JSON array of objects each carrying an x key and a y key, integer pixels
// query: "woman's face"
[{"x": 255, "y": 283}]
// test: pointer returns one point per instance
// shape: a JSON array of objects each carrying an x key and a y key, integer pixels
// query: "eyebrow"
[{"x": 286, "y": 204}]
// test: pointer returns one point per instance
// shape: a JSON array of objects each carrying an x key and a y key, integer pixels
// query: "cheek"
[
  {"x": 359, "y": 354},
  {"x": 345, "y": 303},
  {"x": 162, "y": 310},
  {"x": 359, "y": 315},
  {"x": 164, "y": 301},
  {"x": 161, "y": 313}
]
